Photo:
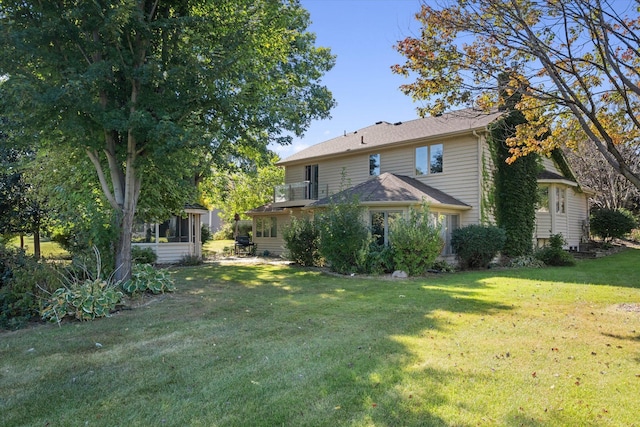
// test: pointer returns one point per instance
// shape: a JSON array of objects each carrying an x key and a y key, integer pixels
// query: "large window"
[
  {"x": 311, "y": 177},
  {"x": 381, "y": 221},
  {"x": 267, "y": 227},
  {"x": 429, "y": 159},
  {"x": 374, "y": 164},
  {"x": 447, "y": 222}
]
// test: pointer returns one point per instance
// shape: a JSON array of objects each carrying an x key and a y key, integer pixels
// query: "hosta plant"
[
  {"x": 83, "y": 298},
  {"x": 146, "y": 278}
]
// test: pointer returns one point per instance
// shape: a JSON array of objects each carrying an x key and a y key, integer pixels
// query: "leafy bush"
[
  {"x": 378, "y": 259},
  {"x": 146, "y": 278},
  {"x": 301, "y": 238},
  {"x": 343, "y": 235},
  {"x": 477, "y": 245},
  {"x": 143, "y": 255},
  {"x": 635, "y": 235},
  {"x": 442, "y": 266},
  {"x": 611, "y": 224},
  {"x": 553, "y": 254},
  {"x": 205, "y": 234},
  {"x": 23, "y": 280},
  {"x": 416, "y": 241}
]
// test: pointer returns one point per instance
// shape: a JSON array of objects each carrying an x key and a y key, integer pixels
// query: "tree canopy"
[
  {"x": 574, "y": 64},
  {"x": 141, "y": 86}
]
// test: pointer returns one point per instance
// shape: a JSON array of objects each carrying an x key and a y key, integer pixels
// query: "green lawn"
[
  {"x": 284, "y": 346},
  {"x": 48, "y": 249}
]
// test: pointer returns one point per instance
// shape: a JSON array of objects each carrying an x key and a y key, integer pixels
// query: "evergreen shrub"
[
  {"x": 477, "y": 245},
  {"x": 611, "y": 224}
]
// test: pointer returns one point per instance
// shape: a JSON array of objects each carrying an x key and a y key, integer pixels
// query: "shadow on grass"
[{"x": 340, "y": 335}]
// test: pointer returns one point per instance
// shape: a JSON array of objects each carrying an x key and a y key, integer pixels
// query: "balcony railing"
[{"x": 304, "y": 190}]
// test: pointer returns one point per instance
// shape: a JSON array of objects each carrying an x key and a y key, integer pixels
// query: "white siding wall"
[
  {"x": 577, "y": 215},
  {"x": 169, "y": 253}
]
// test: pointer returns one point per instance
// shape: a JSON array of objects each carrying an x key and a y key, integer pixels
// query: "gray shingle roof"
[
  {"x": 384, "y": 133},
  {"x": 389, "y": 187}
]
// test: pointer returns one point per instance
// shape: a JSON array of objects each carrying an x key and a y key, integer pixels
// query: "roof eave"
[{"x": 364, "y": 147}]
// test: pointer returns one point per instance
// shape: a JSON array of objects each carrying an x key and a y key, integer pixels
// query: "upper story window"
[
  {"x": 560, "y": 200},
  {"x": 374, "y": 164},
  {"x": 429, "y": 159}
]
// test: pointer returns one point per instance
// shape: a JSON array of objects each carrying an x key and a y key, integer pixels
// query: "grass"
[
  {"x": 48, "y": 249},
  {"x": 217, "y": 246},
  {"x": 277, "y": 345}
]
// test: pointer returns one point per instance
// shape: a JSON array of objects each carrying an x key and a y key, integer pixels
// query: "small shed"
[{"x": 173, "y": 239}]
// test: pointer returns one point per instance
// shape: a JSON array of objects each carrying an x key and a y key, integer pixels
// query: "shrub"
[
  {"x": 205, "y": 234},
  {"x": 343, "y": 235},
  {"x": 416, "y": 241},
  {"x": 477, "y": 245},
  {"x": 553, "y": 254},
  {"x": 23, "y": 280},
  {"x": 146, "y": 278},
  {"x": 378, "y": 259},
  {"x": 611, "y": 224},
  {"x": 143, "y": 255},
  {"x": 301, "y": 238}
]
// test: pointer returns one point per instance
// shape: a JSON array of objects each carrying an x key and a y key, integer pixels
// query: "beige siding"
[
  {"x": 543, "y": 225},
  {"x": 294, "y": 174},
  {"x": 461, "y": 174},
  {"x": 570, "y": 224},
  {"x": 549, "y": 164},
  {"x": 578, "y": 217}
]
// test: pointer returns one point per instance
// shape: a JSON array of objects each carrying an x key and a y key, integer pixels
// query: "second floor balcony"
[{"x": 299, "y": 191}]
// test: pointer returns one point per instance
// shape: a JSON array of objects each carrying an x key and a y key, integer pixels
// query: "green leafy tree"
[
  {"x": 575, "y": 64},
  {"x": 235, "y": 191},
  {"x": 138, "y": 86},
  {"x": 23, "y": 209}
]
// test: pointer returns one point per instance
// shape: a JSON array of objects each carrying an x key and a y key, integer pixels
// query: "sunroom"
[{"x": 174, "y": 239}]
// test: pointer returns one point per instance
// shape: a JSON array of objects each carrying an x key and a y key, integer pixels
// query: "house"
[
  {"x": 174, "y": 239},
  {"x": 445, "y": 160}
]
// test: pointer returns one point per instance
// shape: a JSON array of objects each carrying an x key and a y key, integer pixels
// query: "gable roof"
[
  {"x": 390, "y": 188},
  {"x": 384, "y": 133}
]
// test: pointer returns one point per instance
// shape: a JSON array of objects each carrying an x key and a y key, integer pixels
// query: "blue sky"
[{"x": 361, "y": 33}]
